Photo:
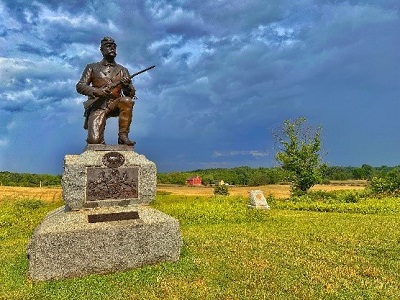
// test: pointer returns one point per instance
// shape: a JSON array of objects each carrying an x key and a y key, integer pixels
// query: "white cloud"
[
  {"x": 259, "y": 154},
  {"x": 171, "y": 40},
  {"x": 194, "y": 48},
  {"x": 19, "y": 96},
  {"x": 12, "y": 69},
  {"x": 276, "y": 35},
  {"x": 83, "y": 51},
  {"x": 11, "y": 125},
  {"x": 217, "y": 154},
  {"x": 175, "y": 46},
  {"x": 168, "y": 13},
  {"x": 49, "y": 17},
  {"x": 252, "y": 153},
  {"x": 8, "y": 22},
  {"x": 4, "y": 142}
]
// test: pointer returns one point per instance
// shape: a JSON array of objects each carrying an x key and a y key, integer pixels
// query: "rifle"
[{"x": 89, "y": 102}]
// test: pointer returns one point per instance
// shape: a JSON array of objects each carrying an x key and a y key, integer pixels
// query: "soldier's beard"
[{"x": 110, "y": 55}]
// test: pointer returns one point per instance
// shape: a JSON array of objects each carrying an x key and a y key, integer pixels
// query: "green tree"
[
  {"x": 298, "y": 153},
  {"x": 208, "y": 179}
]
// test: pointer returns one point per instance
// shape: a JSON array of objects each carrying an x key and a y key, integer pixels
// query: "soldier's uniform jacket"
[{"x": 100, "y": 74}]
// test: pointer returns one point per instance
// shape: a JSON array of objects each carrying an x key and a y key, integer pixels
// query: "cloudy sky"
[{"x": 227, "y": 74}]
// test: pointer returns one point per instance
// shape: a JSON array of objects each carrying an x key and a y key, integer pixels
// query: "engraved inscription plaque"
[
  {"x": 130, "y": 215},
  {"x": 118, "y": 183}
]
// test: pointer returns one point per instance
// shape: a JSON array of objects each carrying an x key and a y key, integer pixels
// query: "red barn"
[{"x": 195, "y": 180}]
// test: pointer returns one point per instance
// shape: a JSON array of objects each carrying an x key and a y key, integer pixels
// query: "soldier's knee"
[{"x": 127, "y": 100}]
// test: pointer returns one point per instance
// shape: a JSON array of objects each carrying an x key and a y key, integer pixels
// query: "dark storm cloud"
[{"x": 227, "y": 71}]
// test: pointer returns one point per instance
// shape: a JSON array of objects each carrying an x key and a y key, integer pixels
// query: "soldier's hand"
[
  {"x": 101, "y": 92},
  {"x": 126, "y": 81}
]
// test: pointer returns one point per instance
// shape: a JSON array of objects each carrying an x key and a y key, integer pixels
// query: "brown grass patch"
[
  {"x": 45, "y": 194},
  {"x": 278, "y": 191}
]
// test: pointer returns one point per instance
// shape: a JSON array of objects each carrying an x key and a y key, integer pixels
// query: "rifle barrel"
[{"x": 142, "y": 71}]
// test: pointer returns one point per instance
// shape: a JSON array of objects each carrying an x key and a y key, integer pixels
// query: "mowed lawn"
[{"x": 229, "y": 252}]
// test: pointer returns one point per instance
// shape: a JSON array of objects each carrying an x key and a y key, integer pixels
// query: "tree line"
[
  {"x": 262, "y": 176},
  {"x": 235, "y": 176},
  {"x": 29, "y": 180}
]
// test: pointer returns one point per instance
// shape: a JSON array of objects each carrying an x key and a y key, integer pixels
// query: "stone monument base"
[
  {"x": 107, "y": 176},
  {"x": 257, "y": 200},
  {"x": 101, "y": 240}
]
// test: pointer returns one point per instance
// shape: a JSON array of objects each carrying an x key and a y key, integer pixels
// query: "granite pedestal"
[
  {"x": 106, "y": 224},
  {"x": 108, "y": 176}
]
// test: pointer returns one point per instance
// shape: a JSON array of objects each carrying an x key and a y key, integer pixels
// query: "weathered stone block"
[
  {"x": 108, "y": 176},
  {"x": 66, "y": 245},
  {"x": 257, "y": 200},
  {"x": 105, "y": 225}
]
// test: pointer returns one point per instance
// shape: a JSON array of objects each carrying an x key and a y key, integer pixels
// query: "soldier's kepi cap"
[{"x": 107, "y": 40}]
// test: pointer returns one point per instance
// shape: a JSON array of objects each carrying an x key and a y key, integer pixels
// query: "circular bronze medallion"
[{"x": 113, "y": 159}]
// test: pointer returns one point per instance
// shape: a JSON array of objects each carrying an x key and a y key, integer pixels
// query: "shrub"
[
  {"x": 271, "y": 199},
  {"x": 386, "y": 185},
  {"x": 350, "y": 197},
  {"x": 221, "y": 190},
  {"x": 29, "y": 204}
]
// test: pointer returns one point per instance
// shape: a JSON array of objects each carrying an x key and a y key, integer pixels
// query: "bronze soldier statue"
[{"x": 110, "y": 94}]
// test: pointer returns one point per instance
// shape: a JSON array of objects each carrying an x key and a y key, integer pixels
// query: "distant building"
[
  {"x": 195, "y": 180},
  {"x": 221, "y": 182}
]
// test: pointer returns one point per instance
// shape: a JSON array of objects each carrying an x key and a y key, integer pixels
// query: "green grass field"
[{"x": 293, "y": 251}]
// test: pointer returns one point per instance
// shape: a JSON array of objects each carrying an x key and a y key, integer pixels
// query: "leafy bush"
[
  {"x": 351, "y": 197},
  {"x": 386, "y": 185},
  {"x": 221, "y": 190},
  {"x": 341, "y": 202},
  {"x": 384, "y": 206},
  {"x": 271, "y": 199}
]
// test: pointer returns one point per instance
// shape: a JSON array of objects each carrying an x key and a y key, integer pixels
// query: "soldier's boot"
[
  {"x": 123, "y": 139},
  {"x": 124, "y": 122}
]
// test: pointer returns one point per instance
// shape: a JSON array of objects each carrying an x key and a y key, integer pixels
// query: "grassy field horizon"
[
  {"x": 304, "y": 250},
  {"x": 280, "y": 191},
  {"x": 277, "y": 190}
]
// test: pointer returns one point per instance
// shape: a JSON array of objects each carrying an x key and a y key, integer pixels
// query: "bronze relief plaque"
[
  {"x": 113, "y": 160},
  {"x": 115, "y": 183}
]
